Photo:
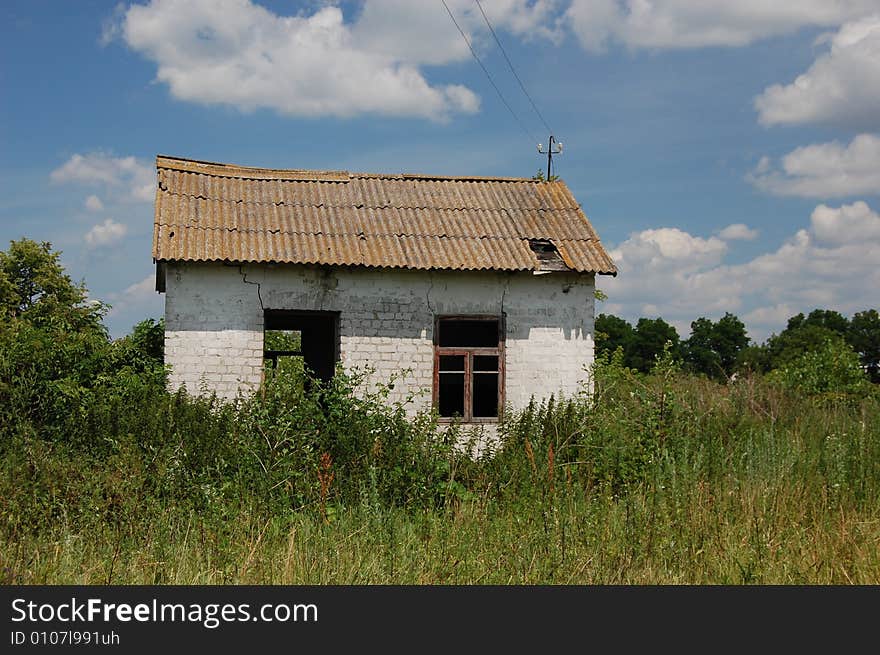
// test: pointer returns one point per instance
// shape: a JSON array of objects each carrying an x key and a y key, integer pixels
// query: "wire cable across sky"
[
  {"x": 512, "y": 69},
  {"x": 488, "y": 76}
]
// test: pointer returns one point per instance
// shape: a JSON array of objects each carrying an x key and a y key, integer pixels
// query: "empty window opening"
[
  {"x": 302, "y": 342},
  {"x": 468, "y": 374},
  {"x": 282, "y": 350}
]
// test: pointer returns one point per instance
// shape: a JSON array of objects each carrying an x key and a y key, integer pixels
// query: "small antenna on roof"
[{"x": 554, "y": 147}]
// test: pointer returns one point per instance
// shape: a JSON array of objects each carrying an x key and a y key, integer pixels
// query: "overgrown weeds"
[{"x": 649, "y": 478}]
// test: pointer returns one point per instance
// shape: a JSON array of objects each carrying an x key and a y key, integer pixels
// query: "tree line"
[{"x": 718, "y": 349}]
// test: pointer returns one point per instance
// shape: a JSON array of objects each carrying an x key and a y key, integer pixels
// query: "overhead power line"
[
  {"x": 512, "y": 69},
  {"x": 488, "y": 76}
]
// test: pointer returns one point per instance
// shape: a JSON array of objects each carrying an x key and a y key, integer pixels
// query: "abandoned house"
[{"x": 478, "y": 292}]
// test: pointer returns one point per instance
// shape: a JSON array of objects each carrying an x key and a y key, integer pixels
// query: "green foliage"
[
  {"x": 281, "y": 340},
  {"x": 640, "y": 345},
  {"x": 832, "y": 368},
  {"x": 54, "y": 351},
  {"x": 540, "y": 177},
  {"x": 823, "y": 318},
  {"x": 378, "y": 453},
  {"x": 721, "y": 348},
  {"x": 713, "y": 349},
  {"x": 34, "y": 288},
  {"x": 662, "y": 477},
  {"x": 612, "y": 332},
  {"x": 650, "y": 338},
  {"x": 864, "y": 336}
]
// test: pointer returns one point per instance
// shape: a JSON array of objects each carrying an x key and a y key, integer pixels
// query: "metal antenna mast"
[{"x": 550, "y": 152}]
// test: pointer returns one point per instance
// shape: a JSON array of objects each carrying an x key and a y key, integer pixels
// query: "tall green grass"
[{"x": 664, "y": 478}]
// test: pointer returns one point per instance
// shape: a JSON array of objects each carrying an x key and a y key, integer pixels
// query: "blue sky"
[{"x": 728, "y": 154}]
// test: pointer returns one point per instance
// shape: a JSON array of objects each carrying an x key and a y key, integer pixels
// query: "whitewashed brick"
[{"x": 214, "y": 324}]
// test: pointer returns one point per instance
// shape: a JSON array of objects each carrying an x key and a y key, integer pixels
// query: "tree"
[
  {"x": 649, "y": 338},
  {"x": 828, "y": 319},
  {"x": 713, "y": 348},
  {"x": 35, "y": 288},
  {"x": 52, "y": 341},
  {"x": 699, "y": 351},
  {"x": 612, "y": 333},
  {"x": 796, "y": 339},
  {"x": 864, "y": 337},
  {"x": 831, "y": 368},
  {"x": 754, "y": 359}
]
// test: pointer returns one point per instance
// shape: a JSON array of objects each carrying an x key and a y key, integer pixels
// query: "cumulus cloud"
[
  {"x": 847, "y": 224},
  {"x": 421, "y": 33},
  {"x": 832, "y": 263},
  {"x": 841, "y": 86},
  {"x": 669, "y": 248},
  {"x": 107, "y": 233},
  {"x": 824, "y": 170},
  {"x": 136, "y": 301},
  {"x": 240, "y": 54},
  {"x": 94, "y": 204},
  {"x": 690, "y": 24},
  {"x": 136, "y": 179},
  {"x": 738, "y": 231}
]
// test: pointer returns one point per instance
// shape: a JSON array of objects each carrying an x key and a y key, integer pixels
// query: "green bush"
[{"x": 833, "y": 368}]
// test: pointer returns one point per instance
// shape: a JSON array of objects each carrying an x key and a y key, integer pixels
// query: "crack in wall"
[
  {"x": 504, "y": 293},
  {"x": 256, "y": 284},
  {"x": 428, "y": 293}
]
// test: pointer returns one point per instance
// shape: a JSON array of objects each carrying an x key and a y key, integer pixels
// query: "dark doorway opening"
[{"x": 311, "y": 336}]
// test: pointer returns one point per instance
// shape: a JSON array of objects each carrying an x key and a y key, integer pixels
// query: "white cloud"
[
  {"x": 141, "y": 290},
  {"x": 772, "y": 315},
  {"x": 237, "y": 53},
  {"x": 422, "y": 33},
  {"x": 107, "y": 233},
  {"x": 738, "y": 231},
  {"x": 94, "y": 204},
  {"x": 824, "y": 170},
  {"x": 701, "y": 23},
  {"x": 830, "y": 264},
  {"x": 669, "y": 248},
  {"x": 840, "y": 87},
  {"x": 100, "y": 169},
  {"x": 136, "y": 301},
  {"x": 853, "y": 223}
]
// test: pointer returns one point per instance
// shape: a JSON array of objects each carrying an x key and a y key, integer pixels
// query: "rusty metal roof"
[{"x": 220, "y": 212}]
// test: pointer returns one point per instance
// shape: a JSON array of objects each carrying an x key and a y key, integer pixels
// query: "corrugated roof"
[{"x": 220, "y": 212}]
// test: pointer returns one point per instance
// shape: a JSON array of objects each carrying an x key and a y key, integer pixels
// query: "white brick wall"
[{"x": 214, "y": 323}]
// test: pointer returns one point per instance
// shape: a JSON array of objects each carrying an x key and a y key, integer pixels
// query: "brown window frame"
[{"x": 469, "y": 353}]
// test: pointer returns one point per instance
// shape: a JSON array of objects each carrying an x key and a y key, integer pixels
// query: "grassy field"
[{"x": 665, "y": 478}]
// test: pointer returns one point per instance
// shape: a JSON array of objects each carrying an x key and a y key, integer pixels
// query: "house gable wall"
[{"x": 214, "y": 323}]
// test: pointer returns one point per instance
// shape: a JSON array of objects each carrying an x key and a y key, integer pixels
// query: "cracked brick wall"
[{"x": 214, "y": 323}]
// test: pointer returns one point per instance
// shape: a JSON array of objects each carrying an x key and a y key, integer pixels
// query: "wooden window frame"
[{"x": 469, "y": 354}]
